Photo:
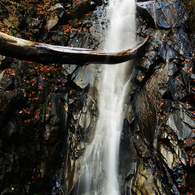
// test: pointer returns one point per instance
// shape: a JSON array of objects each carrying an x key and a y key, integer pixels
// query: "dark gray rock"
[
  {"x": 56, "y": 12},
  {"x": 68, "y": 69},
  {"x": 33, "y": 23},
  {"x": 14, "y": 19},
  {"x": 163, "y": 101},
  {"x": 85, "y": 76},
  {"x": 2, "y": 58},
  {"x": 164, "y": 14}
]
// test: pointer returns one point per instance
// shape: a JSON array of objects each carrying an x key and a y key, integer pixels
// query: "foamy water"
[{"x": 101, "y": 156}]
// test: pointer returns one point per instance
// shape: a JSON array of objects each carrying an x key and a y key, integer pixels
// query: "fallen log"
[{"x": 45, "y": 53}]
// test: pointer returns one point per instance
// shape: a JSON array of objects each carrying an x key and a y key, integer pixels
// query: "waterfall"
[{"x": 101, "y": 156}]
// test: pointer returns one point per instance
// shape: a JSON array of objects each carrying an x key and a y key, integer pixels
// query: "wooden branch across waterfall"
[{"x": 45, "y": 53}]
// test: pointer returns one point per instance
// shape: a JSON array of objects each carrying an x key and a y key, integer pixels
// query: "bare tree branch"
[{"x": 45, "y": 53}]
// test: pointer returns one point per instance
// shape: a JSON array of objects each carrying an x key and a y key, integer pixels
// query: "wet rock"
[
  {"x": 68, "y": 69},
  {"x": 179, "y": 41},
  {"x": 176, "y": 89},
  {"x": 129, "y": 113},
  {"x": 84, "y": 120},
  {"x": 179, "y": 126},
  {"x": 165, "y": 14},
  {"x": 179, "y": 175},
  {"x": 150, "y": 184},
  {"x": 140, "y": 146},
  {"x": 7, "y": 191},
  {"x": 56, "y": 12},
  {"x": 2, "y": 58},
  {"x": 86, "y": 75},
  {"x": 10, "y": 129},
  {"x": 59, "y": 7},
  {"x": 33, "y": 23},
  {"x": 80, "y": 8},
  {"x": 14, "y": 18},
  {"x": 36, "y": 106},
  {"x": 7, "y": 82},
  {"x": 1, "y": 76},
  {"x": 80, "y": 39},
  {"x": 127, "y": 157},
  {"x": 58, "y": 121},
  {"x": 169, "y": 101},
  {"x": 59, "y": 38}
]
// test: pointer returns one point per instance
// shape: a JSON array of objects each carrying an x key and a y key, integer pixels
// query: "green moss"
[{"x": 65, "y": 39}]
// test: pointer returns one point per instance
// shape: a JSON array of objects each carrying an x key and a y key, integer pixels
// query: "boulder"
[
  {"x": 164, "y": 13},
  {"x": 55, "y": 13}
]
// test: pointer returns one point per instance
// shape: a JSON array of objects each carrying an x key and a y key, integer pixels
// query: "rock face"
[
  {"x": 45, "y": 109},
  {"x": 55, "y": 13},
  {"x": 164, "y": 14},
  {"x": 163, "y": 128},
  {"x": 48, "y": 113}
]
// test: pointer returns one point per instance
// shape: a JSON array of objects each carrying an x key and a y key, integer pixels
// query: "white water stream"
[{"x": 101, "y": 156}]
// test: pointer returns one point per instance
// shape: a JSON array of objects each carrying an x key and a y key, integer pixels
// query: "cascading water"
[{"x": 101, "y": 156}]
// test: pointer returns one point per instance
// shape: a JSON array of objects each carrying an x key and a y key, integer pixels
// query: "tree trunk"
[{"x": 45, "y": 53}]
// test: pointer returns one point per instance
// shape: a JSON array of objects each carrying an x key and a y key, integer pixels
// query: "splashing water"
[{"x": 101, "y": 156}]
